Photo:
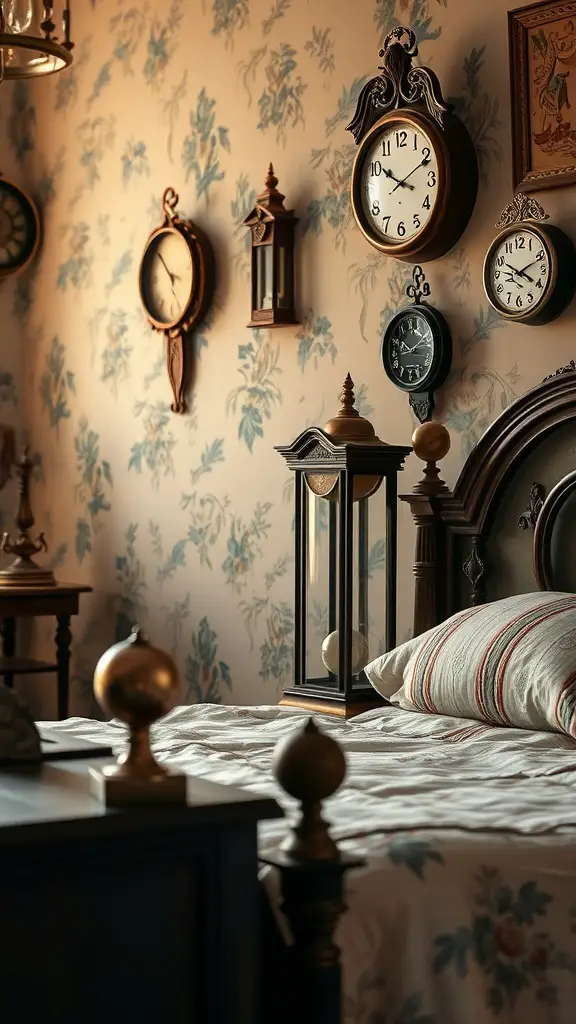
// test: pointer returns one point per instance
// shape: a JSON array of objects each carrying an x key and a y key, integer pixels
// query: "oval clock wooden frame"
[
  {"x": 203, "y": 286},
  {"x": 456, "y": 191}
]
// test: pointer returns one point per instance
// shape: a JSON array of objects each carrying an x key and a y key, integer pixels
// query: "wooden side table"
[
  {"x": 147, "y": 915},
  {"x": 61, "y": 601}
]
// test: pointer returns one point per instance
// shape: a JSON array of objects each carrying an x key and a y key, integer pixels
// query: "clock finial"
[{"x": 271, "y": 179}]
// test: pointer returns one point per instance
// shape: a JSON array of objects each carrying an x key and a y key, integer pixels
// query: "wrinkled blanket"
[{"x": 466, "y": 910}]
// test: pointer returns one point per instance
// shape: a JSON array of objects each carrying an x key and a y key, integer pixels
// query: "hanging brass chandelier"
[{"x": 28, "y": 46}]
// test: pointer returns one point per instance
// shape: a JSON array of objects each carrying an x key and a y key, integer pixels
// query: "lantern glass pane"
[
  {"x": 369, "y": 578},
  {"x": 263, "y": 258},
  {"x": 318, "y": 585},
  {"x": 284, "y": 277}
]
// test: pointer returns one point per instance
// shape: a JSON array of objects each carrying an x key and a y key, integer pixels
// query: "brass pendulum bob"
[{"x": 24, "y": 572}]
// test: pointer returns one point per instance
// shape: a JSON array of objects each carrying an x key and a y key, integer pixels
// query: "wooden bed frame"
[{"x": 454, "y": 565}]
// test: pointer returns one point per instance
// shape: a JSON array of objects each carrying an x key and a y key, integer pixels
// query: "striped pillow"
[{"x": 511, "y": 662}]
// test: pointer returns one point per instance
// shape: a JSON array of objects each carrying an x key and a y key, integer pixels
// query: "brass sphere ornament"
[
  {"x": 431, "y": 443},
  {"x": 138, "y": 684},
  {"x": 310, "y": 766}
]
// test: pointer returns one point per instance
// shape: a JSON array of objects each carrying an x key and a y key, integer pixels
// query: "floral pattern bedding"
[{"x": 466, "y": 910}]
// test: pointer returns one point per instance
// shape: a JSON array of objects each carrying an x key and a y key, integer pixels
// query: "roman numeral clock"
[
  {"x": 415, "y": 176},
  {"x": 19, "y": 228}
]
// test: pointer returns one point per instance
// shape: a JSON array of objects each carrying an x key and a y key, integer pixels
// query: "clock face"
[
  {"x": 409, "y": 350},
  {"x": 19, "y": 228},
  {"x": 167, "y": 277},
  {"x": 399, "y": 182},
  {"x": 518, "y": 273}
]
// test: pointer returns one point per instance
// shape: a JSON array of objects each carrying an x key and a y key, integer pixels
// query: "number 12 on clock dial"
[{"x": 400, "y": 182}]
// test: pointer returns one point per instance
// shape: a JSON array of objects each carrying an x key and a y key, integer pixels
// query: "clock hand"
[
  {"x": 421, "y": 164},
  {"x": 394, "y": 178},
  {"x": 173, "y": 277},
  {"x": 524, "y": 269},
  {"x": 516, "y": 272}
]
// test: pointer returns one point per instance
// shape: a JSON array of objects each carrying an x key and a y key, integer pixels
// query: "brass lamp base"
[
  {"x": 25, "y": 573},
  {"x": 115, "y": 789}
]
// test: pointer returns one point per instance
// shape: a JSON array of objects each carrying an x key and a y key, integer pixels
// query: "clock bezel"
[
  {"x": 417, "y": 244},
  {"x": 442, "y": 341},
  {"x": 32, "y": 214},
  {"x": 534, "y": 312}
]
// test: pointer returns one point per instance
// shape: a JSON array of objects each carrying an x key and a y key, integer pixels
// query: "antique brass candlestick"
[
  {"x": 138, "y": 684},
  {"x": 24, "y": 572}
]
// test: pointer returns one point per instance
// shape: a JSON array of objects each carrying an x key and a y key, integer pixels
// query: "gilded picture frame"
[{"x": 542, "y": 40}]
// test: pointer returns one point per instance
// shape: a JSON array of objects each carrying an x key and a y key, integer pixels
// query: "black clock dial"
[
  {"x": 19, "y": 228},
  {"x": 417, "y": 350},
  {"x": 411, "y": 350}
]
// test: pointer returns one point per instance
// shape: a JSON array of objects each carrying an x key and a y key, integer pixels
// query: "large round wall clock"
[
  {"x": 176, "y": 281},
  {"x": 19, "y": 229},
  {"x": 530, "y": 267},
  {"x": 417, "y": 348},
  {"x": 415, "y": 176}
]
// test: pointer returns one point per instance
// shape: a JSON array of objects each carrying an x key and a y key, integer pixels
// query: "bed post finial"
[
  {"x": 310, "y": 766},
  {"x": 431, "y": 442}
]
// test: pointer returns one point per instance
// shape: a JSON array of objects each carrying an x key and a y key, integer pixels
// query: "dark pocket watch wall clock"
[
  {"x": 417, "y": 348},
  {"x": 530, "y": 267},
  {"x": 177, "y": 278},
  {"x": 415, "y": 176},
  {"x": 19, "y": 229}
]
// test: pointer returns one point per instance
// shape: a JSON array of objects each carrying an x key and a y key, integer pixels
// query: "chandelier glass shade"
[{"x": 29, "y": 47}]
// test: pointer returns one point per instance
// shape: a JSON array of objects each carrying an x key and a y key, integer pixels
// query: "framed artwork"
[{"x": 542, "y": 41}]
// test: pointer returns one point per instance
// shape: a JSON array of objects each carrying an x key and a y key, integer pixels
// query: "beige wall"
[{"x": 183, "y": 523}]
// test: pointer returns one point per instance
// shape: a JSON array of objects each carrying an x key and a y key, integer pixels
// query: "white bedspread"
[{"x": 466, "y": 910}]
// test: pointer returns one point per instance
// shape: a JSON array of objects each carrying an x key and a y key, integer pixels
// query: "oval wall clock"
[
  {"x": 177, "y": 279},
  {"x": 415, "y": 176},
  {"x": 530, "y": 267}
]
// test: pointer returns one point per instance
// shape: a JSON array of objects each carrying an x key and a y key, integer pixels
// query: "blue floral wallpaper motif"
[{"x": 185, "y": 523}]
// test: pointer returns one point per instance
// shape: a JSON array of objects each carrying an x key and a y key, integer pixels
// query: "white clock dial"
[
  {"x": 519, "y": 272},
  {"x": 399, "y": 182},
  {"x": 168, "y": 277}
]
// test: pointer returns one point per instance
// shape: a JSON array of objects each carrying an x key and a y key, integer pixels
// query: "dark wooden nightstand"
[
  {"x": 119, "y": 916},
  {"x": 61, "y": 601}
]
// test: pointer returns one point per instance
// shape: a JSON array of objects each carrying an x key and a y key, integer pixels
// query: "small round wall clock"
[
  {"x": 176, "y": 281},
  {"x": 19, "y": 229},
  {"x": 415, "y": 176},
  {"x": 417, "y": 348},
  {"x": 530, "y": 268}
]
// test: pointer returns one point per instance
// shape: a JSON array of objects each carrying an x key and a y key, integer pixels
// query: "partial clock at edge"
[{"x": 19, "y": 228}]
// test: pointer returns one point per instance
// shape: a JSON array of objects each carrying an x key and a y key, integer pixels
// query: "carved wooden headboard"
[{"x": 504, "y": 528}]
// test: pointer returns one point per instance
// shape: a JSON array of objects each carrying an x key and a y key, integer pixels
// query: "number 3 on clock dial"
[{"x": 400, "y": 182}]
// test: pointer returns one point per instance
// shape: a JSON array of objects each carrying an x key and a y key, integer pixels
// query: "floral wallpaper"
[{"x": 185, "y": 523}]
